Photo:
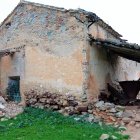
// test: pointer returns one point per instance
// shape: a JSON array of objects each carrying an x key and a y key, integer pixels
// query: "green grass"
[{"x": 37, "y": 124}]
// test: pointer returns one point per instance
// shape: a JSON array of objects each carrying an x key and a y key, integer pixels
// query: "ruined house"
[{"x": 45, "y": 48}]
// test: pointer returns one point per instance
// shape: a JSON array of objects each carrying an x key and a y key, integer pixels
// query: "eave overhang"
[{"x": 122, "y": 48}]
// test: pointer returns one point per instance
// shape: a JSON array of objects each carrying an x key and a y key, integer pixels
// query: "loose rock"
[
  {"x": 2, "y": 106},
  {"x": 137, "y": 125},
  {"x": 82, "y": 108},
  {"x": 126, "y": 120},
  {"x": 99, "y": 104},
  {"x": 104, "y": 137},
  {"x": 2, "y": 100}
]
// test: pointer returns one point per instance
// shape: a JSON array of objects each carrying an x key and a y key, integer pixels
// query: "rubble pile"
[
  {"x": 9, "y": 109},
  {"x": 98, "y": 111},
  {"x": 52, "y": 101},
  {"x": 116, "y": 114}
]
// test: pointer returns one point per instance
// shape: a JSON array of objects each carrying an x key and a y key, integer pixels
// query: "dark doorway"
[{"x": 13, "y": 90}]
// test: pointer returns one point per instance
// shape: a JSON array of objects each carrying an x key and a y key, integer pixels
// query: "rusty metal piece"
[
  {"x": 127, "y": 95},
  {"x": 117, "y": 96},
  {"x": 130, "y": 88}
]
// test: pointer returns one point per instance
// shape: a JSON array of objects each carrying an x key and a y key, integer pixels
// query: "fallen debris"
[
  {"x": 9, "y": 109},
  {"x": 2, "y": 100},
  {"x": 124, "y": 93},
  {"x": 98, "y": 111}
]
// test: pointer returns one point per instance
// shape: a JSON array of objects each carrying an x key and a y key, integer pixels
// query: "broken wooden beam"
[{"x": 10, "y": 51}]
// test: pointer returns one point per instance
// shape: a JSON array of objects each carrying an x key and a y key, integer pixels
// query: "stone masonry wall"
[
  {"x": 56, "y": 56},
  {"x": 53, "y": 42}
]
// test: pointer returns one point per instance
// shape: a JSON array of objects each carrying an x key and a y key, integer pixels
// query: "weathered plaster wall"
[
  {"x": 53, "y": 41},
  {"x": 125, "y": 69},
  {"x": 11, "y": 65},
  {"x": 99, "y": 63},
  {"x": 99, "y": 32},
  {"x": 58, "y": 74}
]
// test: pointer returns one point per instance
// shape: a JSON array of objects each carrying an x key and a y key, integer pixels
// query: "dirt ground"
[{"x": 133, "y": 132}]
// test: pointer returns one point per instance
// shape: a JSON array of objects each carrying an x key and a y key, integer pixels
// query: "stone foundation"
[{"x": 52, "y": 101}]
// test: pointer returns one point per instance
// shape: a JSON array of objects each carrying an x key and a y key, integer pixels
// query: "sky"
[{"x": 122, "y": 15}]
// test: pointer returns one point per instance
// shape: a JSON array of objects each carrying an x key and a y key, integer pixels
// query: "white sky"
[{"x": 122, "y": 15}]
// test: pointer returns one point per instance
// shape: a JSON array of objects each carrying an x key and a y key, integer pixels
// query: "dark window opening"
[{"x": 13, "y": 90}]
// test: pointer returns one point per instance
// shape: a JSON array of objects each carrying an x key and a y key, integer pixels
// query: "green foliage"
[{"x": 48, "y": 125}]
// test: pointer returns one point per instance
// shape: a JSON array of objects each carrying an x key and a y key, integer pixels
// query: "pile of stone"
[
  {"x": 108, "y": 112},
  {"x": 52, "y": 101},
  {"x": 9, "y": 109},
  {"x": 2, "y": 107},
  {"x": 98, "y": 111},
  {"x": 131, "y": 116},
  {"x": 115, "y": 114}
]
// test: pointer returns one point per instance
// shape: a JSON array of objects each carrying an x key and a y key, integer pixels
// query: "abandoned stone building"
[{"x": 45, "y": 48}]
